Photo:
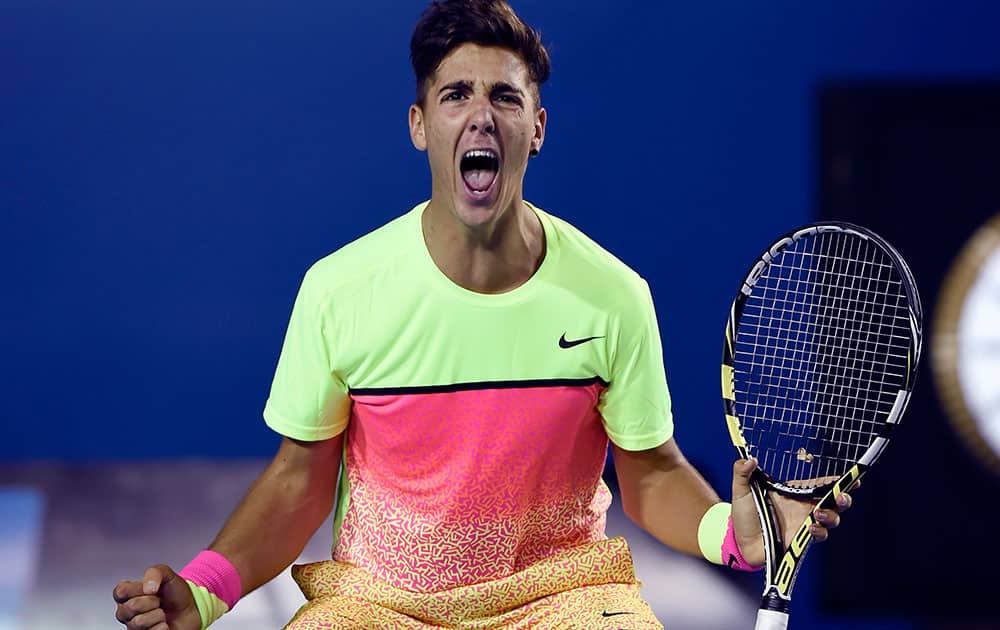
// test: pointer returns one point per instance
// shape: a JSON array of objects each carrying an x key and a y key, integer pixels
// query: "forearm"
[
  {"x": 665, "y": 495},
  {"x": 275, "y": 520}
]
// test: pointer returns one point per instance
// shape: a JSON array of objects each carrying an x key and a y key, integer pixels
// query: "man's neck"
[{"x": 491, "y": 259}]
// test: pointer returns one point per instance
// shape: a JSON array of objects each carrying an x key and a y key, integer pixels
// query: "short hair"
[{"x": 447, "y": 24}]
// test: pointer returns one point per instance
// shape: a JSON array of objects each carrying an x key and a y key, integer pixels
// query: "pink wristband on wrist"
[
  {"x": 731, "y": 551},
  {"x": 213, "y": 571}
]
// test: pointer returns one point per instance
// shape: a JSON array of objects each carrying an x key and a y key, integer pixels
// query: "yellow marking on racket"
[
  {"x": 783, "y": 580},
  {"x": 728, "y": 383},
  {"x": 847, "y": 481},
  {"x": 734, "y": 431},
  {"x": 785, "y": 572},
  {"x": 801, "y": 538}
]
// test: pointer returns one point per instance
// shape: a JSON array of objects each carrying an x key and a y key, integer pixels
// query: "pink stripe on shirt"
[{"x": 462, "y": 487}]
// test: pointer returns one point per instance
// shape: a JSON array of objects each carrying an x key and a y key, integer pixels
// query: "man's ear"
[
  {"x": 539, "y": 136},
  {"x": 417, "y": 134}
]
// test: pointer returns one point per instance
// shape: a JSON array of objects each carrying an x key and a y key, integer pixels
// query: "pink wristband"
[
  {"x": 731, "y": 551},
  {"x": 213, "y": 571}
]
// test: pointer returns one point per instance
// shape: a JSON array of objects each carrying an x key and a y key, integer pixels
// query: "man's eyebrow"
[
  {"x": 505, "y": 87},
  {"x": 456, "y": 85},
  {"x": 466, "y": 86}
]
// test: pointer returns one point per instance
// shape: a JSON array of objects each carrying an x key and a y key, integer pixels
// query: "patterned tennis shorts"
[{"x": 588, "y": 587}]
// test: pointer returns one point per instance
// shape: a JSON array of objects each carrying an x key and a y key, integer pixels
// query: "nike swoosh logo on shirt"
[{"x": 564, "y": 343}]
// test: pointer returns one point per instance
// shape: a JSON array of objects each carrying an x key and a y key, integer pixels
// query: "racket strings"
[
  {"x": 848, "y": 438},
  {"x": 821, "y": 352},
  {"x": 824, "y": 372},
  {"x": 831, "y": 374},
  {"x": 837, "y": 445},
  {"x": 902, "y": 324}
]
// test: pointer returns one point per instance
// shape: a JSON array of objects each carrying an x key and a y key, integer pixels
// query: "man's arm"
[
  {"x": 664, "y": 494},
  {"x": 282, "y": 510},
  {"x": 667, "y": 497},
  {"x": 263, "y": 535}
]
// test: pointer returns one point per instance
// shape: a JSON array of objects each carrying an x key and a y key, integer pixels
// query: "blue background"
[{"x": 169, "y": 170}]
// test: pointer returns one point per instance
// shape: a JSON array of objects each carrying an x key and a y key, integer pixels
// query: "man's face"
[{"x": 478, "y": 123}]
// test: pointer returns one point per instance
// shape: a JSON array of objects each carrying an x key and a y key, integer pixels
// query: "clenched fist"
[{"x": 160, "y": 601}]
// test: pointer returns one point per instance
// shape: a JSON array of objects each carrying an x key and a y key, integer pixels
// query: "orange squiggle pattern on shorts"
[{"x": 569, "y": 589}]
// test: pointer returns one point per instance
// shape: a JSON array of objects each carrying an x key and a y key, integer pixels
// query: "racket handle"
[{"x": 771, "y": 620}]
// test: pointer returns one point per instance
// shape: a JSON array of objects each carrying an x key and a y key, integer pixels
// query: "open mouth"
[{"x": 479, "y": 169}]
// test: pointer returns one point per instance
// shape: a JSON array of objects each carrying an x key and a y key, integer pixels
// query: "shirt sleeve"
[
  {"x": 307, "y": 401},
  {"x": 636, "y": 404}
]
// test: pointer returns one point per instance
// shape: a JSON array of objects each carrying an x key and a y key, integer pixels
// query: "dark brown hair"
[{"x": 447, "y": 24}]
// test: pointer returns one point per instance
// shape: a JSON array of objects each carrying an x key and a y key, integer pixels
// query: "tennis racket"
[{"x": 820, "y": 355}]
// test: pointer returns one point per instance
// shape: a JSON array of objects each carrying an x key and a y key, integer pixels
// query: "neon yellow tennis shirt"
[{"x": 476, "y": 425}]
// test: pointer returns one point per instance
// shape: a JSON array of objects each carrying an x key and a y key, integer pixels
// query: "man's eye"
[
  {"x": 453, "y": 96},
  {"x": 508, "y": 98}
]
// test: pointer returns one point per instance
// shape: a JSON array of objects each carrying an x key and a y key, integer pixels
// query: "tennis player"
[{"x": 453, "y": 379}]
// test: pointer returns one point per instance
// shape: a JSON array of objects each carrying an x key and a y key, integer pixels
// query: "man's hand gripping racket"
[{"x": 819, "y": 359}]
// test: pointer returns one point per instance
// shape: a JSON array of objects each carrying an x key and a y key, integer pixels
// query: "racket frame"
[{"x": 780, "y": 574}]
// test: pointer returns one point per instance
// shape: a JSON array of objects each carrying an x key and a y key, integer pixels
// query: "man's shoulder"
[
  {"x": 580, "y": 255},
  {"x": 366, "y": 255}
]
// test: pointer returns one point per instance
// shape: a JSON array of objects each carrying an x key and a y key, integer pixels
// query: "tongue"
[{"x": 479, "y": 180}]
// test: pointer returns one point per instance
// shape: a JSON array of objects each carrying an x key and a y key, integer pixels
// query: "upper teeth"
[{"x": 486, "y": 153}]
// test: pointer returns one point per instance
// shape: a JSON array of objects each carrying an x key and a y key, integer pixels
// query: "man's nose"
[{"x": 482, "y": 118}]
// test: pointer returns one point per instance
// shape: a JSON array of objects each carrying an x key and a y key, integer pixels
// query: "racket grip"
[{"x": 771, "y": 620}]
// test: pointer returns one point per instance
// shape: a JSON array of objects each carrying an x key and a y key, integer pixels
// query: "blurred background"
[{"x": 169, "y": 170}]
